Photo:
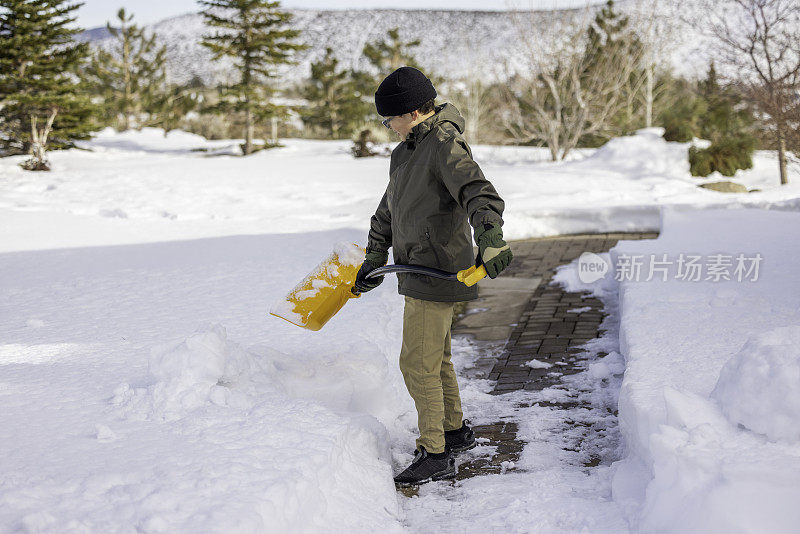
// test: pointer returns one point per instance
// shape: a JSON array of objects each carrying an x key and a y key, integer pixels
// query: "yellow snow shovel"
[{"x": 321, "y": 294}]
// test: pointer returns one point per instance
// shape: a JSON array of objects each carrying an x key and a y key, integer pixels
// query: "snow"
[
  {"x": 580, "y": 310},
  {"x": 204, "y": 368},
  {"x": 757, "y": 386},
  {"x": 607, "y": 366},
  {"x": 538, "y": 364},
  {"x": 548, "y": 489},
  {"x": 146, "y": 388},
  {"x": 708, "y": 404},
  {"x": 347, "y": 254},
  {"x": 177, "y": 193},
  {"x": 133, "y": 408}
]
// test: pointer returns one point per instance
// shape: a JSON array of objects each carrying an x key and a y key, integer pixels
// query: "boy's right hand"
[{"x": 493, "y": 252}]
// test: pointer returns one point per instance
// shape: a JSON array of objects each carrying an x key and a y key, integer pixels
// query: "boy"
[{"x": 435, "y": 189}]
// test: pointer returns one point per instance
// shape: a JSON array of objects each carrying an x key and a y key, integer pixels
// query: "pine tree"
[
  {"x": 336, "y": 106},
  {"x": 386, "y": 56},
  {"x": 132, "y": 77},
  {"x": 728, "y": 124},
  {"x": 726, "y": 115},
  {"x": 42, "y": 102},
  {"x": 389, "y": 55},
  {"x": 609, "y": 40},
  {"x": 709, "y": 87},
  {"x": 715, "y": 113},
  {"x": 606, "y": 34},
  {"x": 682, "y": 118},
  {"x": 171, "y": 106},
  {"x": 255, "y": 34}
]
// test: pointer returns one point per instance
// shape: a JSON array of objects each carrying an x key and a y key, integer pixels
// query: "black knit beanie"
[{"x": 403, "y": 91}]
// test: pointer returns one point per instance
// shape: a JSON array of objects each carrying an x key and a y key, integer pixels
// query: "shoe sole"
[
  {"x": 465, "y": 448},
  {"x": 446, "y": 475}
]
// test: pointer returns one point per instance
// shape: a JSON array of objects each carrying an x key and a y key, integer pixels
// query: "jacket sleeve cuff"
[
  {"x": 376, "y": 257},
  {"x": 375, "y": 248},
  {"x": 484, "y": 219}
]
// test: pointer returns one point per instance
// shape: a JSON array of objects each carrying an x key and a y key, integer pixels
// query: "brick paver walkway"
[{"x": 546, "y": 331}]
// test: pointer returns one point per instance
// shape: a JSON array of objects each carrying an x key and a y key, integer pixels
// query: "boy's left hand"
[{"x": 493, "y": 252}]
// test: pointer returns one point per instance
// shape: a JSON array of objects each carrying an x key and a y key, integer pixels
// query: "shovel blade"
[{"x": 321, "y": 294}]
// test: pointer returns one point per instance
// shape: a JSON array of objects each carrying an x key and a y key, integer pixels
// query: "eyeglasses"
[{"x": 387, "y": 122}]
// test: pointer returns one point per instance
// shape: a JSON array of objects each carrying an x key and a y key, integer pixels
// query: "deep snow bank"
[
  {"x": 120, "y": 415},
  {"x": 330, "y": 462},
  {"x": 767, "y": 369},
  {"x": 645, "y": 155},
  {"x": 697, "y": 461},
  {"x": 204, "y": 368}
]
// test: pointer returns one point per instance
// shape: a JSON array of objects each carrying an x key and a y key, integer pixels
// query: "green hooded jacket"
[{"x": 435, "y": 192}]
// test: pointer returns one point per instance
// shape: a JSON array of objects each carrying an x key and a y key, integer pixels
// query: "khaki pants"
[{"x": 428, "y": 371}]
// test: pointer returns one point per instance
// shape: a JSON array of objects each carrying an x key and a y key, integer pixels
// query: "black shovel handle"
[{"x": 418, "y": 269}]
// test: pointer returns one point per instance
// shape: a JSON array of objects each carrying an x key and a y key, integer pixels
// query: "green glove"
[
  {"x": 377, "y": 258},
  {"x": 493, "y": 252}
]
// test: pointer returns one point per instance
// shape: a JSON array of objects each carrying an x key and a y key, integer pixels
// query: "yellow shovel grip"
[{"x": 471, "y": 276}]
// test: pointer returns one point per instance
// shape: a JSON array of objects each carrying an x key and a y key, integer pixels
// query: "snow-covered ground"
[
  {"x": 145, "y": 388},
  {"x": 137, "y": 187},
  {"x": 710, "y": 404}
]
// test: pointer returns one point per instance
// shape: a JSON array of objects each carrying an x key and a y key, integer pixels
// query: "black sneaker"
[
  {"x": 460, "y": 440},
  {"x": 427, "y": 467}
]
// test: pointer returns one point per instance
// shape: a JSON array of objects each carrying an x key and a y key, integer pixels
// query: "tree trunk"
[
  {"x": 553, "y": 147},
  {"x": 248, "y": 136},
  {"x": 332, "y": 115},
  {"x": 127, "y": 68},
  {"x": 648, "y": 98},
  {"x": 38, "y": 148},
  {"x": 782, "y": 155}
]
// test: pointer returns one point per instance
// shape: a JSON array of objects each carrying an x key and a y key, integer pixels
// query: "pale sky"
[{"x": 96, "y": 12}]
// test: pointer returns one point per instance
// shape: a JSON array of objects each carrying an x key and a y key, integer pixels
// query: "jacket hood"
[{"x": 446, "y": 112}]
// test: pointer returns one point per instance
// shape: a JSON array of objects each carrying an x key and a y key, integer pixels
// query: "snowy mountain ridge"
[{"x": 455, "y": 44}]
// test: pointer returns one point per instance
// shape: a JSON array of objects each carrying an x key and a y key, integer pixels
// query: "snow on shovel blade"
[{"x": 324, "y": 291}]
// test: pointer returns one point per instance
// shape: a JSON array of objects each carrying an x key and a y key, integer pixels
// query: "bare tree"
[
  {"x": 475, "y": 94},
  {"x": 759, "y": 43},
  {"x": 38, "y": 160},
  {"x": 472, "y": 97},
  {"x": 654, "y": 21},
  {"x": 565, "y": 94}
]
